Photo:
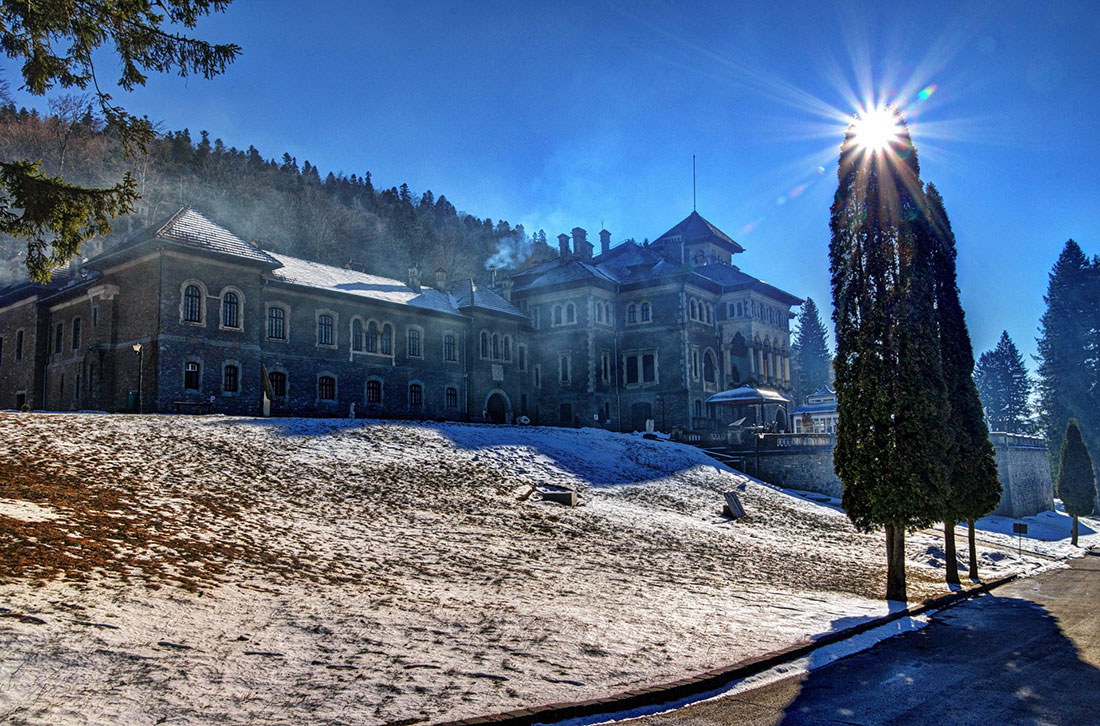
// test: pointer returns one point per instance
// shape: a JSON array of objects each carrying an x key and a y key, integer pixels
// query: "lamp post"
[{"x": 140, "y": 355}]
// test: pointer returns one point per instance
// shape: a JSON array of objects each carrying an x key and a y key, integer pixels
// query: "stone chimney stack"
[
  {"x": 414, "y": 277},
  {"x": 605, "y": 241},
  {"x": 563, "y": 246},
  {"x": 441, "y": 279},
  {"x": 581, "y": 246},
  {"x": 506, "y": 289}
]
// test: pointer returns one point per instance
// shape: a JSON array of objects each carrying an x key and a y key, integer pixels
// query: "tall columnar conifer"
[
  {"x": 1069, "y": 351},
  {"x": 972, "y": 487},
  {"x": 812, "y": 361},
  {"x": 1005, "y": 388},
  {"x": 1076, "y": 479},
  {"x": 889, "y": 382}
]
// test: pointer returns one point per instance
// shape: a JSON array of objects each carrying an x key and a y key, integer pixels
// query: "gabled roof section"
[
  {"x": 731, "y": 279},
  {"x": 468, "y": 295},
  {"x": 695, "y": 230},
  {"x": 562, "y": 272},
  {"x": 314, "y": 275},
  {"x": 188, "y": 227}
]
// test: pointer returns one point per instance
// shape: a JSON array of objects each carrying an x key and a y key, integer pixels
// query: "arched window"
[
  {"x": 496, "y": 346},
  {"x": 557, "y": 315},
  {"x": 710, "y": 314},
  {"x": 231, "y": 310},
  {"x": 710, "y": 368},
  {"x": 278, "y": 383},
  {"x": 647, "y": 313},
  {"x": 387, "y": 339},
  {"x": 452, "y": 397},
  {"x": 693, "y": 310},
  {"x": 357, "y": 335},
  {"x": 416, "y": 395},
  {"x": 276, "y": 323},
  {"x": 599, "y": 313},
  {"x": 374, "y": 391},
  {"x": 450, "y": 352},
  {"x": 324, "y": 329},
  {"x": 192, "y": 304},
  {"x": 191, "y": 376},
  {"x": 508, "y": 348},
  {"x": 632, "y": 314},
  {"x": 484, "y": 344},
  {"x": 740, "y": 311},
  {"x": 570, "y": 313},
  {"x": 414, "y": 343},
  {"x": 326, "y": 388},
  {"x": 372, "y": 337}
]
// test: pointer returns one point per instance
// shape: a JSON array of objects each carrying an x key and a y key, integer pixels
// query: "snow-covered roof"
[
  {"x": 824, "y": 407},
  {"x": 469, "y": 295},
  {"x": 296, "y": 271},
  {"x": 188, "y": 227},
  {"x": 748, "y": 395}
]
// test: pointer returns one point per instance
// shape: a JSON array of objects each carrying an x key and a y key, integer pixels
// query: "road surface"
[{"x": 1028, "y": 653}]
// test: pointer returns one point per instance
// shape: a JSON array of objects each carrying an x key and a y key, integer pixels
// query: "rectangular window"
[
  {"x": 649, "y": 368},
  {"x": 563, "y": 368},
  {"x": 95, "y": 315},
  {"x": 374, "y": 391},
  {"x": 276, "y": 323},
  {"x": 523, "y": 358},
  {"x": 324, "y": 330},
  {"x": 414, "y": 343},
  {"x": 449, "y": 352},
  {"x": 452, "y": 398},
  {"x": 537, "y": 376},
  {"x": 19, "y": 345},
  {"x": 278, "y": 383},
  {"x": 326, "y": 388},
  {"x": 230, "y": 377},
  {"x": 631, "y": 369},
  {"x": 416, "y": 395},
  {"x": 695, "y": 364},
  {"x": 191, "y": 376},
  {"x": 58, "y": 338},
  {"x": 605, "y": 367},
  {"x": 76, "y": 333},
  {"x": 76, "y": 388}
]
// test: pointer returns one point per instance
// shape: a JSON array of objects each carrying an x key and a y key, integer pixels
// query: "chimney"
[
  {"x": 441, "y": 279},
  {"x": 506, "y": 289},
  {"x": 563, "y": 246},
  {"x": 605, "y": 241},
  {"x": 492, "y": 276},
  {"x": 414, "y": 278},
  {"x": 581, "y": 246}
]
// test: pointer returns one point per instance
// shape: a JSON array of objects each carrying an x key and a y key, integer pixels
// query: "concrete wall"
[{"x": 1024, "y": 471}]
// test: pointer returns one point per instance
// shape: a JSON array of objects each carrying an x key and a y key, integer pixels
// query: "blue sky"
[{"x": 588, "y": 113}]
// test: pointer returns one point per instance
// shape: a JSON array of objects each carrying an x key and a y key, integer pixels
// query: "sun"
[{"x": 876, "y": 129}]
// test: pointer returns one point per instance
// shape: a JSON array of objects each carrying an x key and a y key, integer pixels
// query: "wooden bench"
[{"x": 197, "y": 407}]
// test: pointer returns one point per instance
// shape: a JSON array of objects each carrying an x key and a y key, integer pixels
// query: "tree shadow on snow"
[{"x": 995, "y": 660}]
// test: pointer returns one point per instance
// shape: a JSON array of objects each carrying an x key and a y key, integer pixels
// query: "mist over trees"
[
  {"x": 1005, "y": 388},
  {"x": 282, "y": 205},
  {"x": 1069, "y": 351}
]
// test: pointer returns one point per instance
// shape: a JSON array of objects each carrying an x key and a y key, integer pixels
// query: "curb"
[{"x": 709, "y": 680}]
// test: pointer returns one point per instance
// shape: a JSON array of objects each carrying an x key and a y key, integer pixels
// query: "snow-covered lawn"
[{"x": 169, "y": 570}]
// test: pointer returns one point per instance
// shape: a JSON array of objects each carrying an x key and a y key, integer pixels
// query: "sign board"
[{"x": 1019, "y": 528}]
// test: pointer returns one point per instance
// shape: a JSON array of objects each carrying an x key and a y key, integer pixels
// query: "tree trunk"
[
  {"x": 895, "y": 563},
  {"x": 973, "y": 550},
  {"x": 949, "y": 552},
  {"x": 1074, "y": 530}
]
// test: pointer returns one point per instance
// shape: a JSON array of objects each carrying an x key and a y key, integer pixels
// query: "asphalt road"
[{"x": 1028, "y": 653}]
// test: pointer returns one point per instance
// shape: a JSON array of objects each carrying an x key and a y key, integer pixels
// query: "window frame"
[
  {"x": 324, "y": 378},
  {"x": 74, "y": 333},
  {"x": 414, "y": 332},
  {"x": 415, "y": 395},
  {"x": 224, "y": 308},
  {"x": 188, "y": 371},
  {"x": 200, "y": 287},
  {"x": 450, "y": 346},
  {"x": 236, "y": 366},
  {"x": 319, "y": 326},
  {"x": 284, "y": 321},
  {"x": 367, "y": 391}
]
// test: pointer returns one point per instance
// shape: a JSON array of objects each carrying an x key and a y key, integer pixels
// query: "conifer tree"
[
  {"x": 889, "y": 381},
  {"x": 1076, "y": 479},
  {"x": 972, "y": 488},
  {"x": 57, "y": 42},
  {"x": 1067, "y": 359},
  {"x": 812, "y": 361},
  {"x": 1005, "y": 388}
]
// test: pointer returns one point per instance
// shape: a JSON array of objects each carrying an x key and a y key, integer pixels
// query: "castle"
[{"x": 193, "y": 317}]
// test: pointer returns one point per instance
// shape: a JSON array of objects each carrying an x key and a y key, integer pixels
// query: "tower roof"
[{"x": 695, "y": 230}]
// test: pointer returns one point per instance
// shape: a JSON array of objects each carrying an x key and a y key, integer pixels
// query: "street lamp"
[{"x": 140, "y": 354}]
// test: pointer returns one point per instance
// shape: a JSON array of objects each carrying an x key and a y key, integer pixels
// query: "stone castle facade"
[{"x": 196, "y": 318}]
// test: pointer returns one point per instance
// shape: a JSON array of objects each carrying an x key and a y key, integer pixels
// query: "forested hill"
[{"x": 279, "y": 204}]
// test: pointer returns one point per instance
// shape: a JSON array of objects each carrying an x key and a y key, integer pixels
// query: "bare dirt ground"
[{"x": 187, "y": 570}]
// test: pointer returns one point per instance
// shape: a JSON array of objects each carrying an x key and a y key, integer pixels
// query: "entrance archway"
[{"x": 497, "y": 408}]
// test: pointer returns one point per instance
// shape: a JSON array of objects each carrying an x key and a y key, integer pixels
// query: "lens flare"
[{"x": 876, "y": 129}]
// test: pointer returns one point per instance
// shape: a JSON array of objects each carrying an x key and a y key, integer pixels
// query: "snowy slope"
[{"x": 211, "y": 569}]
